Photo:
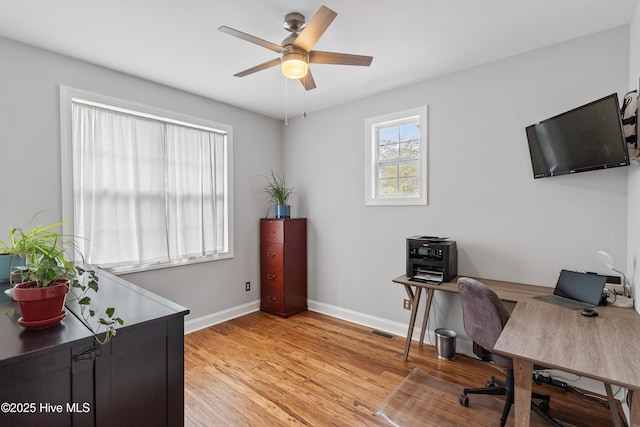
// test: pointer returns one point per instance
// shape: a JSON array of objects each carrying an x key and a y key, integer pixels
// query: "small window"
[{"x": 396, "y": 156}]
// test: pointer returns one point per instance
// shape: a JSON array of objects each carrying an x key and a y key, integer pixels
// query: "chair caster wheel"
[
  {"x": 544, "y": 406},
  {"x": 463, "y": 399}
]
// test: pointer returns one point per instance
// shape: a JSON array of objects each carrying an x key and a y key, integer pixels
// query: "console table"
[{"x": 61, "y": 377}]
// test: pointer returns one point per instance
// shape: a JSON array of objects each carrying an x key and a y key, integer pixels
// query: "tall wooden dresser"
[{"x": 283, "y": 266}]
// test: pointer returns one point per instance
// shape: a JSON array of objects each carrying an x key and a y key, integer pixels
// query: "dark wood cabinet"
[
  {"x": 69, "y": 380},
  {"x": 283, "y": 266}
]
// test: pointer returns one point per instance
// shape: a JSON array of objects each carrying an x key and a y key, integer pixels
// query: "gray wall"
[
  {"x": 30, "y": 172},
  {"x": 481, "y": 191}
]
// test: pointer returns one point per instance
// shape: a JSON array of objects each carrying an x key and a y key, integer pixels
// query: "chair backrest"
[{"x": 483, "y": 313}]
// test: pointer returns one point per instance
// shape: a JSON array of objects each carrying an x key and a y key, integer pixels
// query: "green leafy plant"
[
  {"x": 84, "y": 281},
  {"x": 277, "y": 189},
  {"x": 46, "y": 266},
  {"x": 44, "y": 250}
]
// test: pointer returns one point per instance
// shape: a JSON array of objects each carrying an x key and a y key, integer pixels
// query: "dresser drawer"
[
  {"x": 272, "y": 231},
  {"x": 272, "y": 275},
  {"x": 272, "y": 298},
  {"x": 271, "y": 254}
]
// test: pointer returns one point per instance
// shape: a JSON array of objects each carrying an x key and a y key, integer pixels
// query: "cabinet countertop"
[{"x": 135, "y": 305}]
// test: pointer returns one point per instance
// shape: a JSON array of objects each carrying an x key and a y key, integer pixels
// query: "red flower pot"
[{"x": 41, "y": 307}]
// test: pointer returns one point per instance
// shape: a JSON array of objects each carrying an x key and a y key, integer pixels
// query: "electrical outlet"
[
  {"x": 407, "y": 304},
  {"x": 247, "y": 286}
]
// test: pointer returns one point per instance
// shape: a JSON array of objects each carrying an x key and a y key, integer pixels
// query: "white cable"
[{"x": 286, "y": 101}]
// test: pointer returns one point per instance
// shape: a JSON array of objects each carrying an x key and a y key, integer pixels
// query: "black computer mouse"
[{"x": 589, "y": 312}]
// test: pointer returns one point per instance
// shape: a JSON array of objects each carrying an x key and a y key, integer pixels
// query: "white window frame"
[
  {"x": 67, "y": 95},
  {"x": 372, "y": 198}
]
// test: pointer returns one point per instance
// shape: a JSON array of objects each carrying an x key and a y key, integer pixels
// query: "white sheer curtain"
[{"x": 146, "y": 191}]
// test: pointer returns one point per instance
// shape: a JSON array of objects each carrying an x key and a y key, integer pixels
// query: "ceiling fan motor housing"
[{"x": 294, "y": 22}]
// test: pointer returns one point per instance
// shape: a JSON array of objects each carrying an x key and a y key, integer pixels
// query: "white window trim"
[
  {"x": 67, "y": 94},
  {"x": 371, "y": 197}
]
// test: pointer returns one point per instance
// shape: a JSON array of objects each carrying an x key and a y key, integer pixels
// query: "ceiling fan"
[{"x": 296, "y": 48}]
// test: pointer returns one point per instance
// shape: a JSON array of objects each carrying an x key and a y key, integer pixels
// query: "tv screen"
[{"x": 586, "y": 138}]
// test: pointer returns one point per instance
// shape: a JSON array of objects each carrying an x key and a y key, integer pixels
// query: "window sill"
[
  {"x": 157, "y": 266},
  {"x": 397, "y": 201}
]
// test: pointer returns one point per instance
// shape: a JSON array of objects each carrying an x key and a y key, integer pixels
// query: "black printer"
[{"x": 431, "y": 259}]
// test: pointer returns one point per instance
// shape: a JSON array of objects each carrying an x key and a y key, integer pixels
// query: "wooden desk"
[
  {"x": 605, "y": 348},
  {"x": 506, "y": 291}
]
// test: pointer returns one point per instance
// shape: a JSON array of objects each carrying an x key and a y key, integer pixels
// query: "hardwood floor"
[{"x": 316, "y": 370}]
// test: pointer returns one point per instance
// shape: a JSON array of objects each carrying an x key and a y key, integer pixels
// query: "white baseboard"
[
  {"x": 463, "y": 345},
  {"x": 219, "y": 317},
  {"x": 379, "y": 323}
]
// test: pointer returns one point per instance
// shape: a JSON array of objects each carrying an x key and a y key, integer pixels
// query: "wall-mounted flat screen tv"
[{"x": 586, "y": 138}]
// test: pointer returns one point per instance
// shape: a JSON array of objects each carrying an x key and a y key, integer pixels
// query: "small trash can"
[{"x": 445, "y": 343}]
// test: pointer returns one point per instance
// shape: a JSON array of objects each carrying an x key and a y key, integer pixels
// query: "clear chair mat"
[{"x": 423, "y": 400}]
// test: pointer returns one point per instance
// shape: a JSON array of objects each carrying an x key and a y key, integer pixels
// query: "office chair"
[{"x": 484, "y": 317}]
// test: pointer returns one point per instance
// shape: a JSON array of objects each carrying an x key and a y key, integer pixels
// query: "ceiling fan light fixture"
[{"x": 294, "y": 65}]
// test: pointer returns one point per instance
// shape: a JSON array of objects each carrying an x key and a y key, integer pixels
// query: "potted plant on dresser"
[
  {"x": 41, "y": 285},
  {"x": 278, "y": 193}
]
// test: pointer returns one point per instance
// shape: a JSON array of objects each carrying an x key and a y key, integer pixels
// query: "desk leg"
[
  {"x": 522, "y": 378},
  {"x": 612, "y": 405},
  {"x": 426, "y": 315},
  {"x": 415, "y": 300}
]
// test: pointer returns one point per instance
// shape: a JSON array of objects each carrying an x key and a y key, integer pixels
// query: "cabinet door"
[
  {"x": 132, "y": 378},
  {"x": 37, "y": 391}
]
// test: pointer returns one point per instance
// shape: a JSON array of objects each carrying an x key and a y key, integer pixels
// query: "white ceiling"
[{"x": 177, "y": 43}]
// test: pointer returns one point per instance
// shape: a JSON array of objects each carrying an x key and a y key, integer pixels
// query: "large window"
[
  {"x": 144, "y": 188},
  {"x": 396, "y": 156}
]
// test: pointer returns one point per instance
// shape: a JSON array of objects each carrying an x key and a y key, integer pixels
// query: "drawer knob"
[
  {"x": 271, "y": 276},
  {"x": 272, "y": 299},
  {"x": 270, "y": 254}
]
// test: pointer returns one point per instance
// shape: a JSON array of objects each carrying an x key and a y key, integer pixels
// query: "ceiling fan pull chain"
[
  {"x": 304, "y": 101},
  {"x": 286, "y": 102}
]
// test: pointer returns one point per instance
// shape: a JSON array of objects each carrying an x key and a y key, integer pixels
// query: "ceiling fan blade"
[
  {"x": 260, "y": 67},
  {"x": 315, "y": 28},
  {"x": 308, "y": 82},
  {"x": 320, "y": 57},
  {"x": 248, "y": 37}
]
